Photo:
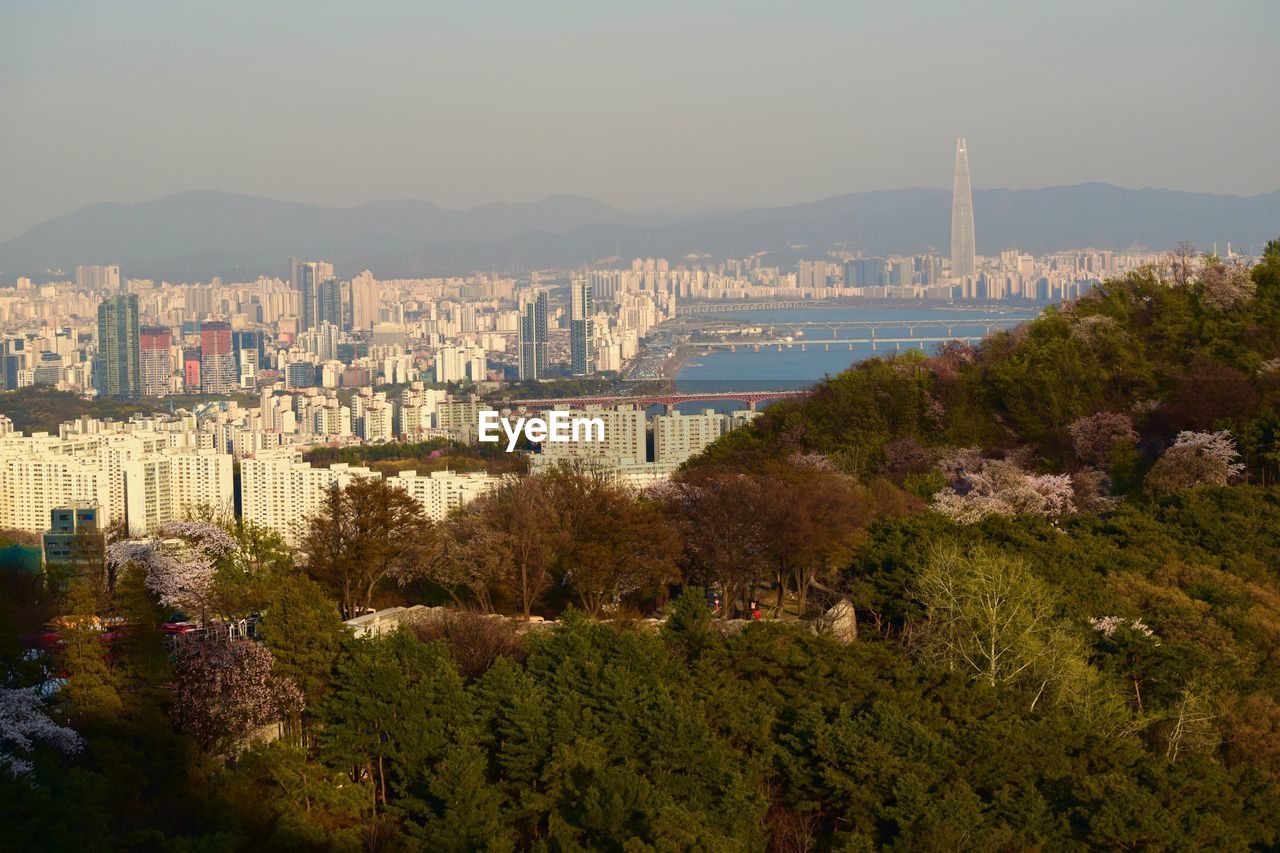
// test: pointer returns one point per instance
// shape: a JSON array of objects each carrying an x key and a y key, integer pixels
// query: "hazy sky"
[{"x": 656, "y": 105}]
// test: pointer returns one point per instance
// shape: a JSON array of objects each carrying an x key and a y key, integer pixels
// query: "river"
[{"x": 771, "y": 368}]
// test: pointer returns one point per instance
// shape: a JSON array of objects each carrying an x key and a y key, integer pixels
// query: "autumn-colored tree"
[
  {"x": 609, "y": 543},
  {"x": 722, "y": 520},
  {"x": 814, "y": 516},
  {"x": 519, "y": 526},
  {"x": 363, "y": 536}
]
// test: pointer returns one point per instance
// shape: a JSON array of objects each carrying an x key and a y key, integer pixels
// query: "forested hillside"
[{"x": 1062, "y": 548}]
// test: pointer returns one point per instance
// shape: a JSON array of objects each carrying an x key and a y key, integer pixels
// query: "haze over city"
[{"x": 660, "y": 107}]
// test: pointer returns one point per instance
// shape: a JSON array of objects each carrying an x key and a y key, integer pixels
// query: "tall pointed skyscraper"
[{"x": 963, "y": 251}]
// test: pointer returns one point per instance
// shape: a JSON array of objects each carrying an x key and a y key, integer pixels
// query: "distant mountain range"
[{"x": 195, "y": 235}]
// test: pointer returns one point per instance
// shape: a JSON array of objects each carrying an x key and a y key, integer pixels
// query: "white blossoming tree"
[
  {"x": 980, "y": 487},
  {"x": 1195, "y": 459},
  {"x": 1094, "y": 437},
  {"x": 181, "y": 565},
  {"x": 24, "y": 724},
  {"x": 227, "y": 691},
  {"x": 1226, "y": 286}
]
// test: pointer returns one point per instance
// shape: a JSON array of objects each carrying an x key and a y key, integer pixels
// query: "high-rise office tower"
[
  {"x": 963, "y": 245},
  {"x": 581, "y": 340},
  {"x": 156, "y": 360},
  {"x": 218, "y": 373},
  {"x": 250, "y": 339},
  {"x": 533, "y": 334},
  {"x": 865, "y": 272},
  {"x": 330, "y": 303},
  {"x": 306, "y": 277},
  {"x": 308, "y": 298},
  {"x": 119, "y": 370}
]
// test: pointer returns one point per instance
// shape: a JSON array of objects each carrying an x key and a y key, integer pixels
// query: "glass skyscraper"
[
  {"x": 533, "y": 335},
  {"x": 119, "y": 370}
]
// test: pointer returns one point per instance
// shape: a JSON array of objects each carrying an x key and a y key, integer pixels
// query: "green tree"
[
  {"x": 91, "y": 692},
  {"x": 364, "y": 536},
  {"x": 988, "y": 615},
  {"x": 305, "y": 633},
  {"x": 458, "y": 809},
  {"x": 396, "y": 707}
]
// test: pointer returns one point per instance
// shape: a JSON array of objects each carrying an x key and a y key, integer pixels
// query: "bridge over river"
[
  {"x": 844, "y": 333},
  {"x": 669, "y": 399}
]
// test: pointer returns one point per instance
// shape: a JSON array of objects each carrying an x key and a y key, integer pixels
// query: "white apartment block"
[
  {"x": 169, "y": 476},
  {"x": 416, "y": 422},
  {"x": 460, "y": 419},
  {"x": 634, "y": 473},
  {"x": 280, "y": 492},
  {"x": 31, "y": 487},
  {"x": 624, "y": 437},
  {"x": 376, "y": 423},
  {"x": 160, "y": 488},
  {"x": 677, "y": 436},
  {"x": 441, "y": 492}
]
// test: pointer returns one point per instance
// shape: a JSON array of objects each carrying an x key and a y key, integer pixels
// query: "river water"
[{"x": 792, "y": 367}]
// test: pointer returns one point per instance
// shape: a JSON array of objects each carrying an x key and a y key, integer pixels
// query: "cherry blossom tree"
[
  {"x": 1195, "y": 459},
  {"x": 472, "y": 555},
  {"x": 226, "y": 691},
  {"x": 25, "y": 723},
  {"x": 980, "y": 487},
  {"x": 1092, "y": 488},
  {"x": 1226, "y": 286},
  {"x": 180, "y": 565}
]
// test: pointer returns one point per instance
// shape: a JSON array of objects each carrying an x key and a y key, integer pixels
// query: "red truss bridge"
[{"x": 751, "y": 398}]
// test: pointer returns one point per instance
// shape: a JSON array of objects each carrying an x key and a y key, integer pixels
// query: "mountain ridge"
[{"x": 195, "y": 234}]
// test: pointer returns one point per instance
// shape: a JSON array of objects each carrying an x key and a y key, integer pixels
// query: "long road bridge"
[
  {"x": 812, "y": 333},
  {"x": 734, "y": 307},
  {"x": 987, "y": 324},
  {"x": 826, "y": 344},
  {"x": 674, "y": 398}
]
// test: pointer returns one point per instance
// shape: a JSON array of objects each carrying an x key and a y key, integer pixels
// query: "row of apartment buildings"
[
  {"x": 144, "y": 474},
  {"x": 142, "y": 480}
]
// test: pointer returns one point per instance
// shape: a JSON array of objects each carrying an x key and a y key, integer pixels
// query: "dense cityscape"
[{"x": 267, "y": 370}]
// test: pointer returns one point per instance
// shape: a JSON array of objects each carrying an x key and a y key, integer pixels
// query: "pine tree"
[
  {"x": 462, "y": 811},
  {"x": 91, "y": 693},
  {"x": 305, "y": 632}
]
